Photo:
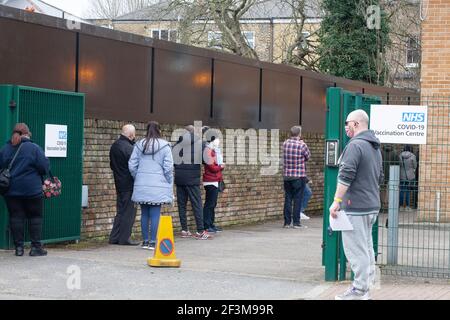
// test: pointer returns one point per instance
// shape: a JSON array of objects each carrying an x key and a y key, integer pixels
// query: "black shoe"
[
  {"x": 37, "y": 252},
  {"x": 129, "y": 243},
  {"x": 113, "y": 242},
  {"x": 19, "y": 251}
]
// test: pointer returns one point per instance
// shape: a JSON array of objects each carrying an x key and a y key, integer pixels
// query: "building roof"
[
  {"x": 265, "y": 9},
  {"x": 42, "y": 7}
]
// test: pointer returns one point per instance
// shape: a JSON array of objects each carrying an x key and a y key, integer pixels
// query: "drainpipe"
[
  {"x": 438, "y": 206},
  {"x": 271, "y": 40}
]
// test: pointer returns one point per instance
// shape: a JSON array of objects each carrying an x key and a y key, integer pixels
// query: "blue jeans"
[
  {"x": 306, "y": 196},
  {"x": 150, "y": 220},
  {"x": 405, "y": 189},
  {"x": 293, "y": 194}
]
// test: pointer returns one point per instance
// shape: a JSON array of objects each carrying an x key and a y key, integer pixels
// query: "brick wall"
[
  {"x": 249, "y": 197},
  {"x": 434, "y": 160}
]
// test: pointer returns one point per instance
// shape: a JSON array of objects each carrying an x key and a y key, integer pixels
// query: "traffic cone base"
[
  {"x": 175, "y": 263},
  {"x": 164, "y": 255}
]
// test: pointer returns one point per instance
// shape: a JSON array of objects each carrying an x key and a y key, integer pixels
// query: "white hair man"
[
  {"x": 358, "y": 195},
  {"x": 119, "y": 155}
]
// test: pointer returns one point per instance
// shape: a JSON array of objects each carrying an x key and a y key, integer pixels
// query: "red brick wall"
[{"x": 249, "y": 197}]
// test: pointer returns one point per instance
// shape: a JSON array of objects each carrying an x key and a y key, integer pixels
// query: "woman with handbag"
[
  {"x": 212, "y": 182},
  {"x": 151, "y": 166},
  {"x": 24, "y": 197}
]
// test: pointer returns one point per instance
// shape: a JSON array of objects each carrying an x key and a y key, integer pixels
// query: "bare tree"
[
  {"x": 111, "y": 9},
  {"x": 298, "y": 44},
  {"x": 403, "y": 55},
  {"x": 226, "y": 15}
]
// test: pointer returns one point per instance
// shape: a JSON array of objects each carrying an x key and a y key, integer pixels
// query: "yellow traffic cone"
[{"x": 164, "y": 255}]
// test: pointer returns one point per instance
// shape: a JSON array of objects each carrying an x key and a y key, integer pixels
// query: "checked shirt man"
[{"x": 295, "y": 155}]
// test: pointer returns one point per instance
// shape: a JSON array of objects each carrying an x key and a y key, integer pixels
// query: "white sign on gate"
[
  {"x": 399, "y": 124},
  {"x": 55, "y": 141}
]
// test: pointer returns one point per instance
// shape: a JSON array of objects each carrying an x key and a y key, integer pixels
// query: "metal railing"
[{"x": 414, "y": 222}]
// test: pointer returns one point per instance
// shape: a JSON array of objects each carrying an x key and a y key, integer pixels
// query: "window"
[
  {"x": 250, "y": 38},
  {"x": 412, "y": 52},
  {"x": 215, "y": 39},
  {"x": 164, "y": 34},
  {"x": 304, "y": 42}
]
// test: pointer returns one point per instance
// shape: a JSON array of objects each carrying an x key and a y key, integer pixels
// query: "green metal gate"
[
  {"x": 38, "y": 107},
  {"x": 339, "y": 104}
]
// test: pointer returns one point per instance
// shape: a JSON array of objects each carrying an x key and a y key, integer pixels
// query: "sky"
[{"x": 75, "y": 7}]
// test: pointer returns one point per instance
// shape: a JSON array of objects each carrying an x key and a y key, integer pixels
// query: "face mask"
[{"x": 216, "y": 142}]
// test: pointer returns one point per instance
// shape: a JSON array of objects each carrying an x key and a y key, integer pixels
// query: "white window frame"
[
  {"x": 252, "y": 42},
  {"x": 212, "y": 35},
  {"x": 306, "y": 35},
  {"x": 408, "y": 48},
  {"x": 168, "y": 34}
]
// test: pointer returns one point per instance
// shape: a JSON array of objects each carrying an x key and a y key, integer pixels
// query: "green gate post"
[
  {"x": 331, "y": 239},
  {"x": 8, "y": 117}
]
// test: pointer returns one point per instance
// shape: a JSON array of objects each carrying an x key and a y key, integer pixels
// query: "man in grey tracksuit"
[{"x": 358, "y": 195}]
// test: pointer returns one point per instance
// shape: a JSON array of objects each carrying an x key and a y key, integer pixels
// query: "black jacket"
[
  {"x": 187, "y": 170},
  {"x": 119, "y": 155},
  {"x": 27, "y": 170}
]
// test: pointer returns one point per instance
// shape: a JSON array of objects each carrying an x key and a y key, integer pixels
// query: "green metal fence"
[{"x": 38, "y": 107}]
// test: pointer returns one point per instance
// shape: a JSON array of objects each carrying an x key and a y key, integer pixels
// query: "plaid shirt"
[{"x": 295, "y": 154}]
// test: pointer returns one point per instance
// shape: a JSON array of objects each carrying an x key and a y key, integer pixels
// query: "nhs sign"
[
  {"x": 399, "y": 123},
  {"x": 413, "y": 117}
]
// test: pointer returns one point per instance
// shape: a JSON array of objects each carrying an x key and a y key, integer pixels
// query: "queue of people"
[
  {"x": 144, "y": 173},
  {"x": 154, "y": 166}
]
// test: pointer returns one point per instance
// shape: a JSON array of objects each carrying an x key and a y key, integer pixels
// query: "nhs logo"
[
  {"x": 62, "y": 135},
  {"x": 413, "y": 117}
]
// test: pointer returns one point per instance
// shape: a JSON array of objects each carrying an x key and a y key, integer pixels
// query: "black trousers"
[
  {"x": 209, "y": 215},
  {"x": 293, "y": 196},
  {"x": 194, "y": 194},
  {"x": 124, "y": 220},
  {"x": 24, "y": 208}
]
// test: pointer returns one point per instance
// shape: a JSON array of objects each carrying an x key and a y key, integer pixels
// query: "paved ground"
[{"x": 257, "y": 262}]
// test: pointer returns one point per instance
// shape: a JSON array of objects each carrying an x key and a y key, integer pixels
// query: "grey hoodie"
[
  {"x": 360, "y": 168},
  {"x": 408, "y": 165}
]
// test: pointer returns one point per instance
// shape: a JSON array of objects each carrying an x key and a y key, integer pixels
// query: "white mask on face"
[{"x": 216, "y": 142}]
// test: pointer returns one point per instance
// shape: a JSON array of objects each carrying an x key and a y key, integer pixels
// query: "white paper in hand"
[{"x": 341, "y": 223}]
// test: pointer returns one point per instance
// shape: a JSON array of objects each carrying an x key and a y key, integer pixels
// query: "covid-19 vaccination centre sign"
[{"x": 399, "y": 124}]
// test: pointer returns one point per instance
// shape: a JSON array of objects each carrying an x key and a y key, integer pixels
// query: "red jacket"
[{"x": 213, "y": 172}]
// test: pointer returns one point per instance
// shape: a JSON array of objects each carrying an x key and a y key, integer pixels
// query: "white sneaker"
[
  {"x": 304, "y": 216},
  {"x": 353, "y": 294}
]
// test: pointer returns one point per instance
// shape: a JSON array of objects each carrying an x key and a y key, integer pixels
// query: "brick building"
[{"x": 434, "y": 199}]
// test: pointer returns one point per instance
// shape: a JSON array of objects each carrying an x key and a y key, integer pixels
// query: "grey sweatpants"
[{"x": 358, "y": 248}]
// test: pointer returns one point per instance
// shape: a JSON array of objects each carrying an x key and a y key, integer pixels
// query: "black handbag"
[
  {"x": 221, "y": 186},
  {"x": 5, "y": 175}
]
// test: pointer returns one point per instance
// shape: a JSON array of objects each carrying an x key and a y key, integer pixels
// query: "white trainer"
[
  {"x": 304, "y": 216},
  {"x": 353, "y": 294}
]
